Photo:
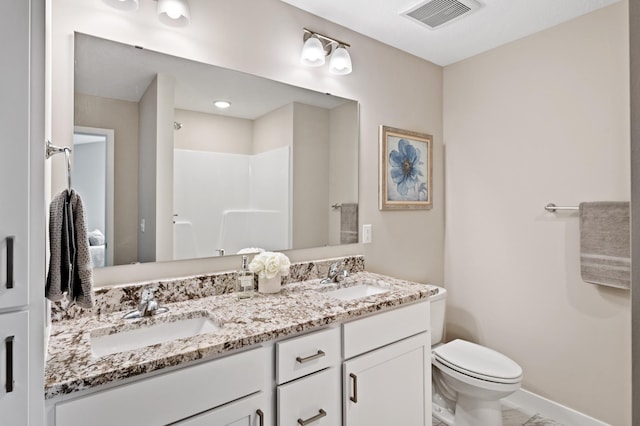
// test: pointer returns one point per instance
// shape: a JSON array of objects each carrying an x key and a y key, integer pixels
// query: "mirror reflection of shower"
[{"x": 92, "y": 177}]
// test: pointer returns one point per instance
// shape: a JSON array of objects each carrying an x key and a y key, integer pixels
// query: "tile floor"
[{"x": 514, "y": 417}]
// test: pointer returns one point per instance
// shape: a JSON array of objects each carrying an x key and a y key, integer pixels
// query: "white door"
[
  {"x": 253, "y": 410},
  {"x": 389, "y": 386},
  {"x": 14, "y": 358}
]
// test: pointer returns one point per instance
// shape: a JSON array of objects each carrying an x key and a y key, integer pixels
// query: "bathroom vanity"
[{"x": 312, "y": 354}]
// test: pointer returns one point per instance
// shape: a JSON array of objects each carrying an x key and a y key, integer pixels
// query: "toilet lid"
[{"x": 478, "y": 361}]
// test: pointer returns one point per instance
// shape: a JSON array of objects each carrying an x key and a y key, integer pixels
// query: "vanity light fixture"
[
  {"x": 222, "y": 104},
  {"x": 317, "y": 46},
  {"x": 123, "y": 4},
  {"x": 174, "y": 13}
]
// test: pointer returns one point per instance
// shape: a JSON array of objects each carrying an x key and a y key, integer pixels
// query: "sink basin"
[
  {"x": 358, "y": 291},
  {"x": 105, "y": 344}
]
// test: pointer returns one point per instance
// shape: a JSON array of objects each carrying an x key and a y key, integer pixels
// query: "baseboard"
[{"x": 531, "y": 403}]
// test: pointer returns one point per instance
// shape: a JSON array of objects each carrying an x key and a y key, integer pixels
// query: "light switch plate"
[{"x": 366, "y": 234}]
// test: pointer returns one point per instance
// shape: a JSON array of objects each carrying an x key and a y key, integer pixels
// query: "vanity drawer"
[
  {"x": 307, "y": 354},
  {"x": 378, "y": 330},
  {"x": 314, "y": 400},
  {"x": 169, "y": 397}
]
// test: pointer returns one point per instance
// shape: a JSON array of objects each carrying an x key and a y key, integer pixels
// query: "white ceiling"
[{"x": 497, "y": 22}]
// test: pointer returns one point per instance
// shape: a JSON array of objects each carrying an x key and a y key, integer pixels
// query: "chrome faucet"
[
  {"x": 336, "y": 273},
  {"x": 147, "y": 306}
]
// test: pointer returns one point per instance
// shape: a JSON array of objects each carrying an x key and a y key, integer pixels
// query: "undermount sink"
[
  {"x": 357, "y": 291},
  {"x": 146, "y": 335}
]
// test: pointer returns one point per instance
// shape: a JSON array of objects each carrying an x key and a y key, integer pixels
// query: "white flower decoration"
[{"x": 269, "y": 264}]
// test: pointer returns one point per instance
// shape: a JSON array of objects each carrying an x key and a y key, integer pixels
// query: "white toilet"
[{"x": 468, "y": 380}]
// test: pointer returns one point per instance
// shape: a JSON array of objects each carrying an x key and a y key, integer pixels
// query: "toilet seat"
[{"x": 478, "y": 362}]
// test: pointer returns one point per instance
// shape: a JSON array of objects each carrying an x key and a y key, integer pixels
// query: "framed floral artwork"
[{"x": 405, "y": 170}]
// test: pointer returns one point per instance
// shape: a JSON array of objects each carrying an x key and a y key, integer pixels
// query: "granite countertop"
[{"x": 299, "y": 307}]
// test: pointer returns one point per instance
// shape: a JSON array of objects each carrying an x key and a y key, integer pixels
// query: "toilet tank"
[{"x": 438, "y": 302}]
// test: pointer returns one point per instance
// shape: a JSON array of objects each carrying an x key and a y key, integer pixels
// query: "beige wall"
[
  {"x": 634, "y": 48},
  {"x": 122, "y": 117},
  {"x": 211, "y": 132},
  {"x": 148, "y": 153},
  {"x": 393, "y": 87},
  {"x": 311, "y": 168},
  {"x": 343, "y": 155},
  {"x": 273, "y": 130},
  {"x": 544, "y": 119}
]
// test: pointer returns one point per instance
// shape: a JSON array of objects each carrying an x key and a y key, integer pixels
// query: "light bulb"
[{"x": 174, "y": 12}]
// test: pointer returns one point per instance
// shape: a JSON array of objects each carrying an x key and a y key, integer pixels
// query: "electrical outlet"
[
  {"x": 142, "y": 225},
  {"x": 366, "y": 234}
]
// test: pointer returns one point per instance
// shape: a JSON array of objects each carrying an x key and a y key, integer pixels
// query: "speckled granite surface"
[
  {"x": 125, "y": 297},
  {"x": 300, "y": 306}
]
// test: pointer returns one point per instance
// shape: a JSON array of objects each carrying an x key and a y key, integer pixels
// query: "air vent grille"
[{"x": 436, "y": 13}]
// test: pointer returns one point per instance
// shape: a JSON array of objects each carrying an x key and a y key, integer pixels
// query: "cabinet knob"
[
  {"x": 261, "y": 416},
  {"x": 301, "y": 360},
  {"x": 8, "y": 342},
  {"x": 10, "y": 241},
  {"x": 354, "y": 398},
  {"x": 321, "y": 414}
]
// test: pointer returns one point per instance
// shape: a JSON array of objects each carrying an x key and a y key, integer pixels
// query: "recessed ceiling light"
[{"x": 222, "y": 104}]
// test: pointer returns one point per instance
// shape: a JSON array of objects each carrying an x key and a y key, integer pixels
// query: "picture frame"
[{"x": 406, "y": 170}]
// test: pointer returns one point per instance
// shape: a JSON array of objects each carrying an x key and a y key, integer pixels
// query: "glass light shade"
[
  {"x": 123, "y": 4},
  {"x": 174, "y": 13},
  {"x": 340, "y": 62},
  {"x": 313, "y": 53}
]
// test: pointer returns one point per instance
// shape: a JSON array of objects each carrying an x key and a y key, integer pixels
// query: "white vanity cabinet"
[
  {"x": 391, "y": 384},
  {"x": 248, "y": 411},
  {"x": 194, "y": 395},
  {"x": 308, "y": 378},
  {"x": 22, "y": 212},
  {"x": 14, "y": 356}
]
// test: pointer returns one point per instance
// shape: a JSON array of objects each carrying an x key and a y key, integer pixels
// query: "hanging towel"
[
  {"x": 70, "y": 268},
  {"x": 349, "y": 223},
  {"x": 605, "y": 243}
]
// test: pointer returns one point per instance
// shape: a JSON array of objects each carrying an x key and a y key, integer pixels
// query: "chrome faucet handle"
[
  {"x": 147, "y": 306},
  {"x": 336, "y": 273},
  {"x": 148, "y": 303}
]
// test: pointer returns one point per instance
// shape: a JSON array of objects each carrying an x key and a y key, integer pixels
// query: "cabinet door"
[
  {"x": 390, "y": 386},
  {"x": 253, "y": 410},
  {"x": 313, "y": 400},
  {"x": 14, "y": 160},
  {"x": 14, "y": 356}
]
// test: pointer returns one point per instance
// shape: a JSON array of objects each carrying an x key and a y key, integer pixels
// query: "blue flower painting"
[{"x": 407, "y": 170}]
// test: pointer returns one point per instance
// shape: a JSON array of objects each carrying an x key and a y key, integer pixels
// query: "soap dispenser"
[{"x": 245, "y": 283}]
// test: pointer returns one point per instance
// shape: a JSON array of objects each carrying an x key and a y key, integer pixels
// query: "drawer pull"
[
  {"x": 354, "y": 398},
  {"x": 321, "y": 414},
  {"x": 261, "y": 415},
  {"x": 8, "y": 342},
  {"x": 301, "y": 360},
  {"x": 10, "y": 261}
]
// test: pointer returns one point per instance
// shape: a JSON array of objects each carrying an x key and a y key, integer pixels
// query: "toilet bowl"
[{"x": 468, "y": 379}]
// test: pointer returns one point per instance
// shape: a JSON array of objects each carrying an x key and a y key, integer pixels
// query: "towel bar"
[{"x": 552, "y": 208}]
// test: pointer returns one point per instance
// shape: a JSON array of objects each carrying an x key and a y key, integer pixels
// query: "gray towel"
[
  {"x": 70, "y": 269},
  {"x": 349, "y": 223},
  {"x": 605, "y": 243}
]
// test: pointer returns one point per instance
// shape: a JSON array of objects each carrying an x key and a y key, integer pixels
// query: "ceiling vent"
[{"x": 436, "y": 13}]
